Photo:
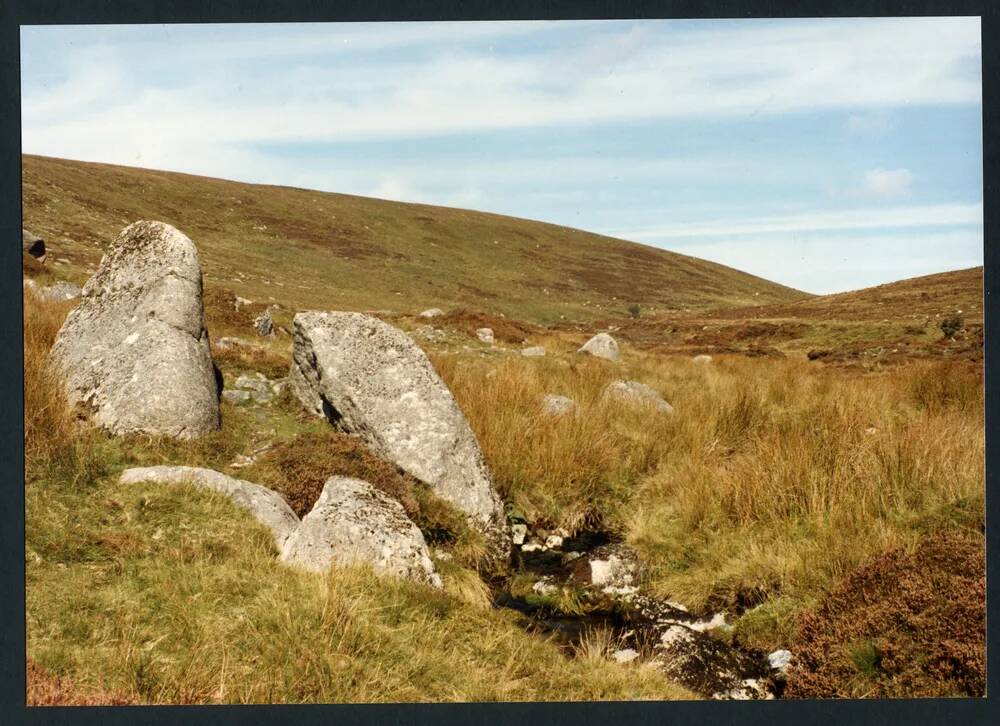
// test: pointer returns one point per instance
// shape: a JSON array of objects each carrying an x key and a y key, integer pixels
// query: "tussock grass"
[{"x": 772, "y": 480}]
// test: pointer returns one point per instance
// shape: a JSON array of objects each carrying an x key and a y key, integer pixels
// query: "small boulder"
[
  {"x": 266, "y": 505},
  {"x": 601, "y": 345},
  {"x": 263, "y": 324},
  {"x": 780, "y": 660},
  {"x": 33, "y": 245},
  {"x": 354, "y": 522},
  {"x": 535, "y": 351},
  {"x": 702, "y": 358},
  {"x": 236, "y": 396},
  {"x": 554, "y": 405},
  {"x": 369, "y": 378},
  {"x": 432, "y": 313},
  {"x": 636, "y": 393},
  {"x": 625, "y": 655},
  {"x": 615, "y": 568},
  {"x": 136, "y": 349},
  {"x": 485, "y": 335}
]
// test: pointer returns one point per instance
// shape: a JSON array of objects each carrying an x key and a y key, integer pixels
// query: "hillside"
[
  {"x": 309, "y": 249},
  {"x": 941, "y": 294}
]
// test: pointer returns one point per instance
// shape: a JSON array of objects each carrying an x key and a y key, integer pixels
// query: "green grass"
[{"x": 314, "y": 250}]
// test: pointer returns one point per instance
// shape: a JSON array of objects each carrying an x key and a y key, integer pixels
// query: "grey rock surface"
[
  {"x": 601, "y": 345},
  {"x": 353, "y": 522},
  {"x": 135, "y": 348},
  {"x": 555, "y": 405},
  {"x": 371, "y": 379},
  {"x": 266, "y": 505},
  {"x": 636, "y": 393},
  {"x": 431, "y": 313},
  {"x": 263, "y": 324},
  {"x": 485, "y": 335}
]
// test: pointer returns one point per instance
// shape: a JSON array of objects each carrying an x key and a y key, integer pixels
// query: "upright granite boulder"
[
  {"x": 371, "y": 379},
  {"x": 353, "y": 522},
  {"x": 135, "y": 349}
]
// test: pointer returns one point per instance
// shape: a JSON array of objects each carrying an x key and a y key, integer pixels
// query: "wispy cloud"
[{"x": 932, "y": 215}]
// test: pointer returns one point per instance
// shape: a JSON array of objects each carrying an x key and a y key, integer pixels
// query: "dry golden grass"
[{"x": 773, "y": 478}]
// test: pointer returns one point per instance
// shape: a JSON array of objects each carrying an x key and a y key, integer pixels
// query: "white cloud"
[
  {"x": 932, "y": 215},
  {"x": 888, "y": 183},
  {"x": 733, "y": 69}
]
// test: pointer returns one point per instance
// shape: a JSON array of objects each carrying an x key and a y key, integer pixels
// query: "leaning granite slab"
[
  {"x": 135, "y": 348},
  {"x": 266, "y": 505},
  {"x": 353, "y": 522},
  {"x": 369, "y": 378}
]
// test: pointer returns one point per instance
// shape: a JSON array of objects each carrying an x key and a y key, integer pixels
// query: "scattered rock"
[
  {"x": 136, "y": 349},
  {"x": 780, "y": 660},
  {"x": 553, "y": 542},
  {"x": 431, "y": 313},
  {"x": 33, "y": 245},
  {"x": 58, "y": 292},
  {"x": 535, "y": 351},
  {"x": 554, "y": 405},
  {"x": 518, "y": 532},
  {"x": 240, "y": 302},
  {"x": 263, "y": 325},
  {"x": 625, "y": 655},
  {"x": 430, "y": 333},
  {"x": 371, "y": 379},
  {"x": 702, "y": 358},
  {"x": 601, "y": 345},
  {"x": 544, "y": 587},
  {"x": 264, "y": 504},
  {"x": 236, "y": 396},
  {"x": 637, "y": 393},
  {"x": 485, "y": 335},
  {"x": 354, "y": 522},
  {"x": 613, "y": 568}
]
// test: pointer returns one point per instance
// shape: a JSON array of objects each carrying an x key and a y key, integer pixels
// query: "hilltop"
[{"x": 310, "y": 249}]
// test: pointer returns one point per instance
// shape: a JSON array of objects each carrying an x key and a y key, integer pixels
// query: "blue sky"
[{"x": 825, "y": 154}]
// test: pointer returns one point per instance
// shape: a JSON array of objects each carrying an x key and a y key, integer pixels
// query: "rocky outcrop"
[
  {"x": 266, "y": 505},
  {"x": 635, "y": 393},
  {"x": 369, "y": 378},
  {"x": 353, "y": 522},
  {"x": 136, "y": 349},
  {"x": 254, "y": 387},
  {"x": 33, "y": 245},
  {"x": 601, "y": 345}
]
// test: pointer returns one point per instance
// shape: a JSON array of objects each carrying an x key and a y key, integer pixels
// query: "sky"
[{"x": 824, "y": 154}]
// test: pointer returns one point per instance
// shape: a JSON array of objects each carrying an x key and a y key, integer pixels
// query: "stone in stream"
[
  {"x": 135, "y": 349},
  {"x": 601, "y": 345},
  {"x": 635, "y": 393},
  {"x": 353, "y": 522},
  {"x": 266, "y": 505},
  {"x": 370, "y": 379}
]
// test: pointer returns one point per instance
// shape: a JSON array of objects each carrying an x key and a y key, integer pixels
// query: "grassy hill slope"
[
  {"x": 311, "y": 249},
  {"x": 941, "y": 294}
]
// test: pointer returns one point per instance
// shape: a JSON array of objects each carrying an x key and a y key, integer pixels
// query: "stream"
[{"x": 594, "y": 569}]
